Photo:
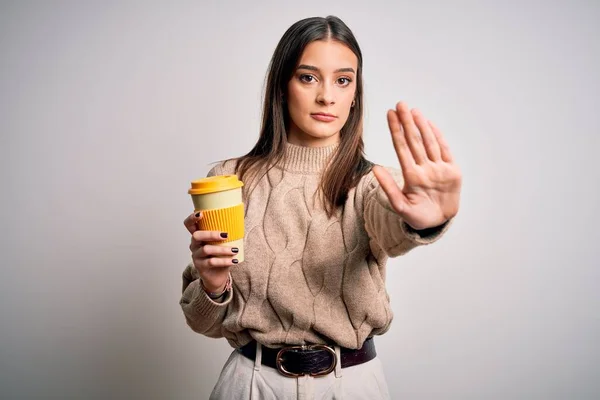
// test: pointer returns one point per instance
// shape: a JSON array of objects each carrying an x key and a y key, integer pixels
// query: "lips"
[{"x": 324, "y": 117}]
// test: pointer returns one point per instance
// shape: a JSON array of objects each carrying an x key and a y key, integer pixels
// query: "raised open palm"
[{"x": 432, "y": 180}]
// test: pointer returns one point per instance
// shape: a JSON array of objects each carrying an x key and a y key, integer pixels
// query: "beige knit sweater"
[{"x": 306, "y": 278}]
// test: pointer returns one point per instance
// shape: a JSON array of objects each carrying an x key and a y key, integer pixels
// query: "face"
[{"x": 320, "y": 93}]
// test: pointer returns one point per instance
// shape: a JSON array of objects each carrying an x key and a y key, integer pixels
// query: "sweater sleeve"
[
  {"x": 202, "y": 314},
  {"x": 386, "y": 228}
]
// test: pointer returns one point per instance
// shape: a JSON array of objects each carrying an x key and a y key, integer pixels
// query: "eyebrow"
[{"x": 313, "y": 68}]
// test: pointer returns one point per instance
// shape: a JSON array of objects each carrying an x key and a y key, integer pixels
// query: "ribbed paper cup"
[{"x": 220, "y": 200}]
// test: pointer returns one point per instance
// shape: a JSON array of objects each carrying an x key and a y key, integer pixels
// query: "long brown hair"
[{"x": 348, "y": 164}]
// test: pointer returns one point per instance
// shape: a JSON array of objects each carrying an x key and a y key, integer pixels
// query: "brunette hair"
[{"x": 348, "y": 164}]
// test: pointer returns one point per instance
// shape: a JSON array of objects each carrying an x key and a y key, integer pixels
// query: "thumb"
[{"x": 390, "y": 187}]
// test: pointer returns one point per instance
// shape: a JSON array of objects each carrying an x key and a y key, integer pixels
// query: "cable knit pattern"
[{"x": 307, "y": 278}]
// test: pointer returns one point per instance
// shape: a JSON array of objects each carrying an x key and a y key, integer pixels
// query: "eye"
[
  {"x": 344, "y": 81},
  {"x": 307, "y": 78}
]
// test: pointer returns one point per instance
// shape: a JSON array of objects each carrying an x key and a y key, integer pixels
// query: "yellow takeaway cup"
[{"x": 220, "y": 200}]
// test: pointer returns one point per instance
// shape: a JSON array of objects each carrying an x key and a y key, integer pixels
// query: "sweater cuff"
[
  {"x": 205, "y": 306},
  {"x": 425, "y": 236}
]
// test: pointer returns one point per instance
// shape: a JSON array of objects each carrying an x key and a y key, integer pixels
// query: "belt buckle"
[{"x": 281, "y": 368}]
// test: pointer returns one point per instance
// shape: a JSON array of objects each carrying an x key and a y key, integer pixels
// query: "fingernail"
[
  {"x": 224, "y": 235},
  {"x": 197, "y": 215},
  {"x": 235, "y": 261},
  {"x": 235, "y": 250}
]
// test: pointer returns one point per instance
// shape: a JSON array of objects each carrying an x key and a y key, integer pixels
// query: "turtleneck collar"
[{"x": 308, "y": 160}]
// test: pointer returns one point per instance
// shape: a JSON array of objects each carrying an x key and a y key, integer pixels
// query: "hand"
[
  {"x": 432, "y": 181},
  {"x": 212, "y": 262}
]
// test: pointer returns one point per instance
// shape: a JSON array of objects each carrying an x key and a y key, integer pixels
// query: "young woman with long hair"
[{"x": 321, "y": 222}]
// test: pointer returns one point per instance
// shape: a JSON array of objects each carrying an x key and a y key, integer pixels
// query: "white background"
[{"x": 109, "y": 109}]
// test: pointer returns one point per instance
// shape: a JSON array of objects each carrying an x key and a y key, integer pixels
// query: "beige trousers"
[{"x": 242, "y": 378}]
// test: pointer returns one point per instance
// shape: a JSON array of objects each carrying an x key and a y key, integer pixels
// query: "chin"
[{"x": 323, "y": 133}]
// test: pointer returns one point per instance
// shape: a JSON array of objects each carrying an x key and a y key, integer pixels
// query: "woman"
[{"x": 321, "y": 222}]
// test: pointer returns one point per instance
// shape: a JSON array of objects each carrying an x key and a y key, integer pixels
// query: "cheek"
[
  {"x": 296, "y": 97},
  {"x": 297, "y": 105},
  {"x": 293, "y": 110},
  {"x": 346, "y": 111},
  {"x": 348, "y": 99}
]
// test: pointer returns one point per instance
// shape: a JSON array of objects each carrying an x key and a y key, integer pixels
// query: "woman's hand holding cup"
[{"x": 211, "y": 261}]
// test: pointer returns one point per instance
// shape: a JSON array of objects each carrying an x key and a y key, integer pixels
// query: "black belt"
[{"x": 314, "y": 359}]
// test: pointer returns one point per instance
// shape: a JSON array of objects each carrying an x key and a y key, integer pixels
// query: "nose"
[{"x": 325, "y": 94}]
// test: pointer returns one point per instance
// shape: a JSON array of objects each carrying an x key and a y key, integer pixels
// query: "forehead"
[{"x": 328, "y": 55}]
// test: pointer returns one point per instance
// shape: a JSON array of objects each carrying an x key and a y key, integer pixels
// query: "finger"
[
  {"x": 216, "y": 262},
  {"x": 217, "y": 251},
  {"x": 191, "y": 222},
  {"x": 195, "y": 245},
  {"x": 388, "y": 184},
  {"x": 209, "y": 236},
  {"x": 402, "y": 150},
  {"x": 432, "y": 148},
  {"x": 444, "y": 148},
  {"x": 411, "y": 133}
]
